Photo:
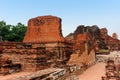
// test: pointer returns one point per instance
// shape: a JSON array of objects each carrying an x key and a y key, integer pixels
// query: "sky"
[{"x": 104, "y": 13}]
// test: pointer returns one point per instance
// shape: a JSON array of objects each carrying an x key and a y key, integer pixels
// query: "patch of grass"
[{"x": 103, "y": 51}]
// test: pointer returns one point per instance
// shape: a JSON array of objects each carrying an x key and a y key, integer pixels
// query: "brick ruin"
[
  {"x": 83, "y": 45},
  {"x": 113, "y": 43},
  {"x": 33, "y": 55},
  {"x": 84, "y": 52},
  {"x": 44, "y": 46},
  {"x": 114, "y": 36},
  {"x": 90, "y": 40},
  {"x": 44, "y": 29}
]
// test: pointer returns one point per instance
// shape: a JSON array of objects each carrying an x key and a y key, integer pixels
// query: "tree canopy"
[{"x": 13, "y": 33}]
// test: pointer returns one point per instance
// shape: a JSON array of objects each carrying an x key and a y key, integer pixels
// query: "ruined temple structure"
[
  {"x": 114, "y": 36},
  {"x": 44, "y": 29},
  {"x": 113, "y": 43},
  {"x": 90, "y": 40},
  {"x": 43, "y": 45},
  {"x": 83, "y": 50},
  {"x": 83, "y": 45}
]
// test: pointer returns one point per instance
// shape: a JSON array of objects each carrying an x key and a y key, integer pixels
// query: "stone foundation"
[{"x": 35, "y": 56}]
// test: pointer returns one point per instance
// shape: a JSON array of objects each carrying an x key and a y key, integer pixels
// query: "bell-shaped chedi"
[
  {"x": 44, "y": 29},
  {"x": 114, "y": 36}
]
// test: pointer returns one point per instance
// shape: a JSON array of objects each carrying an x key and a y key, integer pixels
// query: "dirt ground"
[
  {"x": 13, "y": 75},
  {"x": 93, "y": 73}
]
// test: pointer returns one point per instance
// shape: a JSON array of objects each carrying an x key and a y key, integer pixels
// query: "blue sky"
[{"x": 104, "y": 13}]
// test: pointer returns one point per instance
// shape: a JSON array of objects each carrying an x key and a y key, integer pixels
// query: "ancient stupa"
[{"x": 44, "y": 29}]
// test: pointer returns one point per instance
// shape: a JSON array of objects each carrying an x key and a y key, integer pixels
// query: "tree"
[
  {"x": 4, "y": 29},
  {"x": 2, "y": 23},
  {"x": 19, "y": 32},
  {"x": 11, "y": 32}
]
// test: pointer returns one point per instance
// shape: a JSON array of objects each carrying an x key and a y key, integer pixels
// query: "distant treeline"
[{"x": 13, "y": 33}]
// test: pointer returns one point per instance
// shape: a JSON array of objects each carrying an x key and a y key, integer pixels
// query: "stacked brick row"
[
  {"x": 7, "y": 67},
  {"x": 111, "y": 71},
  {"x": 34, "y": 56},
  {"x": 26, "y": 55}
]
